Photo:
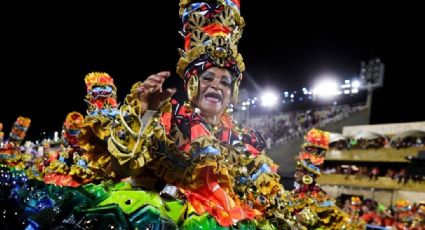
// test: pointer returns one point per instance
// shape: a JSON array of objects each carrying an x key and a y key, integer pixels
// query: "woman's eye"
[
  {"x": 226, "y": 82},
  {"x": 207, "y": 78}
]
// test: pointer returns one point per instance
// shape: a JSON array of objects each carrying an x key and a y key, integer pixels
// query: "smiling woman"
[
  {"x": 217, "y": 167},
  {"x": 152, "y": 163},
  {"x": 214, "y": 93}
]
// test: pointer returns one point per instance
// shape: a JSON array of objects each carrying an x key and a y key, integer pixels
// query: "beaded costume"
[{"x": 170, "y": 169}]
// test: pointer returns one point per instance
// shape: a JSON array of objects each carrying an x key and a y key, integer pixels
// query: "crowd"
[
  {"x": 403, "y": 215},
  {"x": 402, "y": 174},
  {"x": 375, "y": 141},
  {"x": 279, "y": 129}
]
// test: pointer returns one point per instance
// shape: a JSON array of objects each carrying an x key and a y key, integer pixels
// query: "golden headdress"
[
  {"x": 211, "y": 30},
  {"x": 72, "y": 125},
  {"x": 96, "y": 79},
  {"x": 19, "y": 129},
  {"x": 101, "y": 94},
  {"x": 317, "y": 138},
  {"x": 315, "y": 147},
  {"x": 74, "y": 121}
]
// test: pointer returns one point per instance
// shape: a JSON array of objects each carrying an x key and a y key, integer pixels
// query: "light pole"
[{"x": 372, "y": 77}]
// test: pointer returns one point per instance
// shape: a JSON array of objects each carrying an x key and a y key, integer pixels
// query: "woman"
[
  {"x": 157, "y": 164},
  {"x": 216, "y": 164},
  {"x": 206, "y": 134}
]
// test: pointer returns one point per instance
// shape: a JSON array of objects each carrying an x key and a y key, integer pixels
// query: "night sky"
[{"x": 283, "y": 47}]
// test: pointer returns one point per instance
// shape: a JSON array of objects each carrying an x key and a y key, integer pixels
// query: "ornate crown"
[
  {"x": 19, "y": 129},
  {"x": 234, "y": 4},
  {"x": 23, "y": 121},
  {"x": 96, "y": 79},
  {"x": 73, "y": 121},
  {"x": 317, "y": 138},
  {"x": 72, "y": 125},
  {"x": 211, "y": 29},
  {"x": 101, "y": 94}
]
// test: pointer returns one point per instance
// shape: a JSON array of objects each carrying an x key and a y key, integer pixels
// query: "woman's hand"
[{"x": 151, "y": 95}]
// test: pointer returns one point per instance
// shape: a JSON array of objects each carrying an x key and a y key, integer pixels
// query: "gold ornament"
[
  {"x": 192, "y": 87},
  {"x": 307, "y": 179}
]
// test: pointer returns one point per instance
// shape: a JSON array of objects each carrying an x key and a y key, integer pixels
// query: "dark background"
[{"x": 46, "y": 53}]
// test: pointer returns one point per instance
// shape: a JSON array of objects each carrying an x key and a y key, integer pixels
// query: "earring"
[
  {"x": 235, "y": 92},
  {"x": 192, "y": 87},
  {"x": 307, "y": 179}
]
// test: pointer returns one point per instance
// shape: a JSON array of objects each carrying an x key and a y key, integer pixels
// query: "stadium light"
[
  {"x": 269, "y": 99},
  {"x": 326, "y": 89},
  {"x": 355, "y": 84}
]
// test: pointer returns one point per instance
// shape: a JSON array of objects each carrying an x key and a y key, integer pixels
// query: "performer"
[
  {"x": 65, "y": 168},
  {"x": 10, "y": 151},
  {"x": 308, "y": 203},
  {"x": 158, "y": 164},
  {"x": 219, "y": 167},
  {"x": 19, "y": 129}
]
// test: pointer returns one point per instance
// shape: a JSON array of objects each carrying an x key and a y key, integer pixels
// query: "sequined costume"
[
  {"x": 69, "y": 166},
  {"x": 308, "y": 204},
  {"x": 168, "y": 168},
  {"x": 10, "y": 150},
  {"x": 220, "y": 171}
]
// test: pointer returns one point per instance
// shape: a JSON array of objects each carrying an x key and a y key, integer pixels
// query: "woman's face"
[{"x": 214, "y": 91}]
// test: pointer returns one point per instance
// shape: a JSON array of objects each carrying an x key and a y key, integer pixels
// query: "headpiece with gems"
[
  {"x": 71, "y": 127},
  {"x": 211, "y": 30},
  {"x": 19, "y": 129},
  {"x": 101, "y": 95}
]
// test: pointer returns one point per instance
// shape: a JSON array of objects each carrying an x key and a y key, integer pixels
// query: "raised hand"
[{"x": 151, "y": 94}]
